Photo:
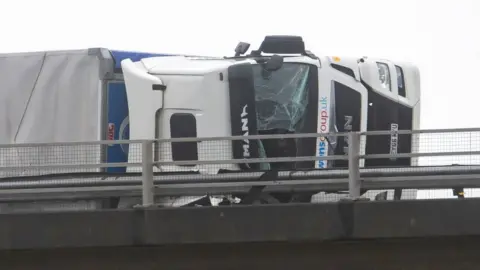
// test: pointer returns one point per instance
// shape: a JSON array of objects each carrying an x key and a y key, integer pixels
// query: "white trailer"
[{"x": 63, "y": 96}]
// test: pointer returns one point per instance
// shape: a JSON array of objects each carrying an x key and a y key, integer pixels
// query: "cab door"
[
  {"x": 348, "y": 114},
  {"x": 342, "y": 106}
]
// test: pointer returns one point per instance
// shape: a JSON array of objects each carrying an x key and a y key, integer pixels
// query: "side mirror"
[
  {"x": 242, "y": 48},
  {"x": 274, "y": 63}
]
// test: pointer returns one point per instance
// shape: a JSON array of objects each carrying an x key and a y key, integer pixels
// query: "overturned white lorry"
[
  {"x": 281, "y": 88},
  {"x": 289, "y": 90}
]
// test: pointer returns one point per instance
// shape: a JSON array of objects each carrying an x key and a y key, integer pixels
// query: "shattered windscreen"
[{"x": 281, "y": 96}]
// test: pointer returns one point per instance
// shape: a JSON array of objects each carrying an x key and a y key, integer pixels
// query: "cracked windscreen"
[{"x": 281, "y": 96}]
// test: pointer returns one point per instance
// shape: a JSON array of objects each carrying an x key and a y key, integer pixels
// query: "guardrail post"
[
  {"x": 147, "y": 174},
  {"x": 353, "y": 165}
]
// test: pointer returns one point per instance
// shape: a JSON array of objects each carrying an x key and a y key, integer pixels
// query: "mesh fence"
[
  {"x": 437, "y": 142},
  {"x": 446, "y": 143},
  {"x": 28, "y": 160},
  {"x": 46, "y": 166},
  {"x": 449, "y": 142},
  {"x": 183, "y": 165}
]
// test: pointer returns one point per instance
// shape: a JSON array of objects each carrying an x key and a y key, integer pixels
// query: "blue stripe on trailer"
[
  {"x": 118, "y": 128},
  {"x": 118, "y": 56}
]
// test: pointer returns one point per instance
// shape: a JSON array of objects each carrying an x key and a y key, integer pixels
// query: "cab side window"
[{"x": 183, "y": 125}]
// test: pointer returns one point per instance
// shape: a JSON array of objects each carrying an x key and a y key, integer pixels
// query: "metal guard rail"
[{"x": 352, "y": 178}]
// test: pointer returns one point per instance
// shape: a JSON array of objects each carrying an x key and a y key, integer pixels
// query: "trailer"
[{"x": 63, "y": 96}]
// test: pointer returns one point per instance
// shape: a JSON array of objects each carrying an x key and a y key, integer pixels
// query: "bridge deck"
[{"x": 227, "y": 233}]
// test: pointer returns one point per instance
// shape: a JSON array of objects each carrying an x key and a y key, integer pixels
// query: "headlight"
[{"x": 384, "y": 75}]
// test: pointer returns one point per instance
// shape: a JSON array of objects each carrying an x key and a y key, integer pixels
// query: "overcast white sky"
[{"x": 441, "y": 37}]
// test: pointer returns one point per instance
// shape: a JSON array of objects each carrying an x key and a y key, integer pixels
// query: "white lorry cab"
[{"x": 281, "y": 88}]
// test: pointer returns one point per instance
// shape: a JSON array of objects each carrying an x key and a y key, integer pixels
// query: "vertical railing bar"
[
  {"x": 353, "y": 165},
  {"x": 147, "y": 174}
]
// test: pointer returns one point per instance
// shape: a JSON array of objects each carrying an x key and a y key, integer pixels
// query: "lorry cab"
[{"x": 281, "y": 88}]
